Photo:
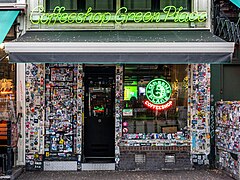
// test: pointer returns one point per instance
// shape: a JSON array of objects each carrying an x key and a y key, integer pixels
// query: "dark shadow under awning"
[{"x": 105, "y": 46}]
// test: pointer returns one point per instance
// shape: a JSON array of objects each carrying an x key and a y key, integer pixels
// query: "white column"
[{"x": 20, "y": 95}]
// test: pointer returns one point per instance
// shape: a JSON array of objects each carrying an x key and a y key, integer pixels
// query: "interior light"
[{"x": 1, "y": 45}]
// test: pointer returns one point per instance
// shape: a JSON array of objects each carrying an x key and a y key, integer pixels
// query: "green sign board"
[
  {"x": 158, "y": 91},
  {"x": 121, "y": 16}
]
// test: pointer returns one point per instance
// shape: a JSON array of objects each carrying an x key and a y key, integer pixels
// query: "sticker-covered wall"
[
  {"x": 228, "y": 136},
  {"x": 199, "y": 112},
  {"x": 61, "y": 111},
  {"x": 54, "y": 112},
  {"x": 34, "y": 121},
  {"x": 118, "y": 112},
  {"x": 80, "y": 108}
]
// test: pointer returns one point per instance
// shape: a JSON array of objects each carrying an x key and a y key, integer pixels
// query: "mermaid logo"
[{"x": 158, "y": 91}]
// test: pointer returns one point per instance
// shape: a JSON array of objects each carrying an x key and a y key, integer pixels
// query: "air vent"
[
  {"x": 170, "y": 158},
  {"x": 139, "y": 158}
]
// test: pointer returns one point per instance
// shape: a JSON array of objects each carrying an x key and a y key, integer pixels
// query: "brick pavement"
[{"x": 126, "y": 175}]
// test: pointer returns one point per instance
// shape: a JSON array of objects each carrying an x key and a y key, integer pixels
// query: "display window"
[
  {"x": 7, "y": 87},
  {"x": 9, "y": 126},
  {"x": 155, "y": 102},
  {"x": 7, "y": 78}
]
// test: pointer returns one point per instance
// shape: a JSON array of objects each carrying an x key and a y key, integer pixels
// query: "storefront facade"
[{"x": 122, "y": 85}]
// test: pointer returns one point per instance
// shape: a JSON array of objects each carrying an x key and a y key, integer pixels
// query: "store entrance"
[{"x": 99, "y": 113}]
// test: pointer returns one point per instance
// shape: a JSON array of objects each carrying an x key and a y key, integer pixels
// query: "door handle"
[{"x": 99, "y": 120}]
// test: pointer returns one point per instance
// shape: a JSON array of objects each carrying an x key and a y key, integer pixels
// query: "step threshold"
[
  {"x": 98, "y": 166},
  {"x": 60, "y": 165},
  {"x": 99, "y": 157}
]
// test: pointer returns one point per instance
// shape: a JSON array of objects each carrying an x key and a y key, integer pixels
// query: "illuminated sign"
[
  {"x": 158, "y": 107},
  {"x": 169, "y": 13},
  {"x": 6, "y": 86},
  {"x": 158, "y": 91},
  {"x": 130, "y": 92}
]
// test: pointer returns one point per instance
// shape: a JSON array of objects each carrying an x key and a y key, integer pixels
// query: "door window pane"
[
  {"x": 137, "y": 4},
  {"x": 99, "y": 104}
]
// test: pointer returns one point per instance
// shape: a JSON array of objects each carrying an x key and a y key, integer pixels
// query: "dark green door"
[{"x": 99, "y": 114}]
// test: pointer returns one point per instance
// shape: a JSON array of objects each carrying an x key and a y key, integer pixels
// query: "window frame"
[
  {"x": 141, "y": 73},
  {"x": 155, "y": 6}
]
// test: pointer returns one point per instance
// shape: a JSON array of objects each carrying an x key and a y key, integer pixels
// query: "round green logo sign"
[{"x": 158, "y": 91}]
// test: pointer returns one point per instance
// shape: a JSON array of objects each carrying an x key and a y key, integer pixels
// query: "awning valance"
[
  {"x": 6, "y": 20},
  {"x": 120, "y": 47}
]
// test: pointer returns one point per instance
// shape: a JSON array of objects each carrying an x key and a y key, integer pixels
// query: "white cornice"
[
  {"x": 121, "y": 47},
  {"x": 16, "y": 6}
]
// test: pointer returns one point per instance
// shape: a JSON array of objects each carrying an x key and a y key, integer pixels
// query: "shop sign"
[
  {"x": 158, "y": 107},
  {"x": 158, "y": 93},
  {"x": 121, "y": 16}
]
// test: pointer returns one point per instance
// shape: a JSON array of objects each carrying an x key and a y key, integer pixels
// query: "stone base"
[{"x": 155, "y": 158}]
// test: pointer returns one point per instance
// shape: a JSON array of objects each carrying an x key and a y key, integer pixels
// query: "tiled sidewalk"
[{"x": 127, "y": 175}]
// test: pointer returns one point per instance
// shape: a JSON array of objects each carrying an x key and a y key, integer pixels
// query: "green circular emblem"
[{"x": 158, "y": 91}]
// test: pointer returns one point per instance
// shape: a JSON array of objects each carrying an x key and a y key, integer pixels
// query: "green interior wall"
[
  {"x": 216, "y": 81},
  {"x": 225, "y": 82}
]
